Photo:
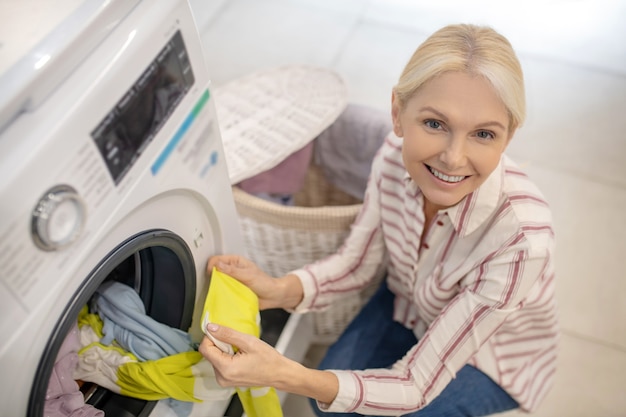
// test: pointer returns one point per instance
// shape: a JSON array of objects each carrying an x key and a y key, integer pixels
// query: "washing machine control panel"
[
  {"x": 58, "y": 218},
  {"x": 136, "y": 119}
]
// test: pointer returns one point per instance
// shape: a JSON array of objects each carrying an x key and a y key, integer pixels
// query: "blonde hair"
[{"x": 474, "y": 50}]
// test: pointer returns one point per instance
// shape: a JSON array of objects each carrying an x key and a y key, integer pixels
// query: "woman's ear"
[{"x": 395, "y": 115}]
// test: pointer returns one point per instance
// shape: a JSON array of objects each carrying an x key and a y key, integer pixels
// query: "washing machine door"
[{"x": 159, "y": 266}]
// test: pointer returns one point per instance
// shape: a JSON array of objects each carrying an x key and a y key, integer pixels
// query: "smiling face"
[{"x": 455, "y": 129}]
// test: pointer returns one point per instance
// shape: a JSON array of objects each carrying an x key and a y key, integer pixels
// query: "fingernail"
[{"x": 212, "y": 327}]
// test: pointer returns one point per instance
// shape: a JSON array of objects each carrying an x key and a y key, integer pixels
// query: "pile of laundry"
[{"x": 119, "y": 347}]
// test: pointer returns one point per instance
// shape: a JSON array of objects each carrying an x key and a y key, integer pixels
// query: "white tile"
[
  {"x": 583, "y": 32},
  {"x": 590, "y": 381},
  {"x": 590, "y": 228},
  {"x": 588, "y": 33},
  {"x": 372, "y": 61},
  {"x": 575, "y": 121},
  {"x": 251, "y": 35}
]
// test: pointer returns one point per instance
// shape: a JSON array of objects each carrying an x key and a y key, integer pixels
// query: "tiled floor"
[{"x": 573, "y": 144}]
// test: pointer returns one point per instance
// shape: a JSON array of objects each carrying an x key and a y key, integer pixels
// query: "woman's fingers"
[
  {"x": 248, "y": 273},
  {"x": 207, "y": 349},
  {"x": 235, "y": 266},
  {"x": 223, "y": 261},
  {"x": 241, "y": 269},
  {"x": 231, "y": 336},
  {"x": 242, "y": 368}
]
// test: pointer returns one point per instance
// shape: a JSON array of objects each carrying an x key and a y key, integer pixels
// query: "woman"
[{"x": 465, "y": 323}]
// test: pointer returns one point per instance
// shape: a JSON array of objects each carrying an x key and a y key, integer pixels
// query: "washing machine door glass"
[{"x": 159, "y": 266}]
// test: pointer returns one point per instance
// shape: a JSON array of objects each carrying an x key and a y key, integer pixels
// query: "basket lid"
[{"x": 266, "y": 116}]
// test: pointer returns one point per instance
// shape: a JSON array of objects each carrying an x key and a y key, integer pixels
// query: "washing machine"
[{"x": 111, "y": 168}]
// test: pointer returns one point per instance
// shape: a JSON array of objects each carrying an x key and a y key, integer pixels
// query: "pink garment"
[
  {"x": 63, "y": 398},
  {"x": 285, "y": 178}
]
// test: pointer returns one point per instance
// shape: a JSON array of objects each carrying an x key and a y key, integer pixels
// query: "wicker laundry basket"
[{"x": 283, "y": 238}]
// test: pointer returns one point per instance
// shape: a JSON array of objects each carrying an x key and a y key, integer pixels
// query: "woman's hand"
[
  {"x": 285, "y": 292},
  {"x": 256, "y": 364}
]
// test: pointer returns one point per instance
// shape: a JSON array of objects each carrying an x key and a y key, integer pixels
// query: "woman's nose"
[{"x": 453, "y": 156}]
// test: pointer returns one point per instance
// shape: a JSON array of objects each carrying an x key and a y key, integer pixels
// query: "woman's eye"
[
  {"x": 485, "y": 134},
  {"x": 433, "y": 124}
]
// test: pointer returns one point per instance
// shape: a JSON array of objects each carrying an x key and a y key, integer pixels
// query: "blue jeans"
[{"x": 374, "y": 340}]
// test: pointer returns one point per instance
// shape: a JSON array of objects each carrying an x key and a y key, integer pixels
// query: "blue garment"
[
  {"x": 125, "y": 320},
  {"x": 374, "y": 340}
]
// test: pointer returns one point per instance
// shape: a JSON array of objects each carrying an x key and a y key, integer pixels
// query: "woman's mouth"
[{"x": 446, "y": 178}]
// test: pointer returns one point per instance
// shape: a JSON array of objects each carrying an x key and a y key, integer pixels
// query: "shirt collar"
[{"x": 471, "y": 212}]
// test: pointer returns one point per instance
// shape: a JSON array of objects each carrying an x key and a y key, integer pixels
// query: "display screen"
[{"x": 138, "y": 116}]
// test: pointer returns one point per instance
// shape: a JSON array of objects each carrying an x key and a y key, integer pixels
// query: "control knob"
[{"x": 58, "y": 218}]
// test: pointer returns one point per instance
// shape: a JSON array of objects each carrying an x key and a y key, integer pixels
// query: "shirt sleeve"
[
  {"x": 491, "y": 292},
  {"x": 356, "y": 262}
]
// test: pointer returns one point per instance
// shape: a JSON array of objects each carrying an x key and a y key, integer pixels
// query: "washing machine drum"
[{"x": 159, "y": 266}]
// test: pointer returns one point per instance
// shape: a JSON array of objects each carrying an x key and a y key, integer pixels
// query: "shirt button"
[
  {"x": 425, "y": 245},
  {"x": 439, "y": 223}
]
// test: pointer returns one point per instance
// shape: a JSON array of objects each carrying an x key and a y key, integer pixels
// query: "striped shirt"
[{"x": 478, "y": 289}]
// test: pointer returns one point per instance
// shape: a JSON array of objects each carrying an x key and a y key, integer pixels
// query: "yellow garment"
[
  {"x": 170, "y": 377},
  {"x": 230, "y": 303}
]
